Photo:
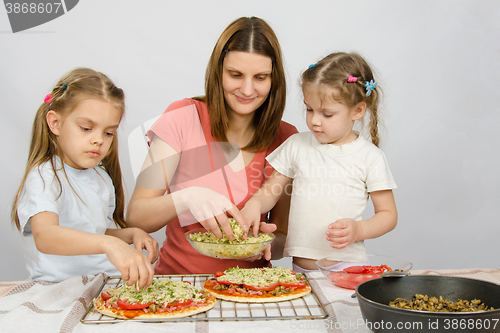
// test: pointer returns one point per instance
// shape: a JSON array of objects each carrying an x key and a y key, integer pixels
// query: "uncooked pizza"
[
  {"x": 164, "y": 298},
  {"x": 258, "y": 285}
]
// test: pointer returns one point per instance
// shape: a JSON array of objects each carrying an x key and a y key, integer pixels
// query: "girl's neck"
[{"x": 350, "y": 137}]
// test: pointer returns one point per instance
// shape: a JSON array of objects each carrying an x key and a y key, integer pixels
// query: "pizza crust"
[
  {"x": 139, "y": 314},
  {"x": 258, "y": 299}
]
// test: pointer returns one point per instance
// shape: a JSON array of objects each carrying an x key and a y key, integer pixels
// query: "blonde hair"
[
  {"x": 251, "y": 35},
  {"x": 334, "y": 70},
  {"x": 72, "y": 88}
]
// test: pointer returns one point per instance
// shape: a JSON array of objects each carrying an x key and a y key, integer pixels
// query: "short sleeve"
[
  {"x": 282, "y": 158},
  {"x": 40, "y": 193},
  {"x": 175, "y": 123},
  {"x": 379, "y": 176}
]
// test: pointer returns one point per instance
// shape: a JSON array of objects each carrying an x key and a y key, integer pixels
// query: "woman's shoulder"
[
  {"x": 285, "y": 130},
  {"x": 185, "y": 111},
  {"x": 186, "y": 102}
]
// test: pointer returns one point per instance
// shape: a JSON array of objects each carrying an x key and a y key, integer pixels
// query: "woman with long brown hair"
[{"x": 207, "y": 154}]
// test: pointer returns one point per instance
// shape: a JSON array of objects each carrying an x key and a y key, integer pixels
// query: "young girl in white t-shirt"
[
  {"x": 333, "y": 168},
  {"x": 71, "y": 195}
]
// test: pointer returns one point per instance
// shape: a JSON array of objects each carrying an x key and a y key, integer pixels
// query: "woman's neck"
[{"x": 241, "y": 129}]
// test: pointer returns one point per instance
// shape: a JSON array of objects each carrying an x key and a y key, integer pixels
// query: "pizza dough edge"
[
  {"x": 99, "y": 306},
  {"x": 241, "y": 299}
]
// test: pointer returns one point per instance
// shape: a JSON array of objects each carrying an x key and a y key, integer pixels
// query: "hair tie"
[
  {"x": 352, "y": 79},
  {"x": 64, "y": 86},
  {"x": 370, "y": 86},
  {"x": 312, "y": 65},
  {"x": 48, "y": 99}
]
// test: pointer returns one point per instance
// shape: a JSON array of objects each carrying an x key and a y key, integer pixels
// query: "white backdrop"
[{"x": 436, "y": 61}]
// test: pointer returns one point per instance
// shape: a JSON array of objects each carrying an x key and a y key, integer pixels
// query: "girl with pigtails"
[
  {"x": 333, "y": 168},
  {"x": 71, "y": 199}
]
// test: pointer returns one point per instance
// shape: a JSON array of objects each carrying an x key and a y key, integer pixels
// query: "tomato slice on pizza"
[
  {"x": 258, "y": 285},
  {"x": 164, "y": 298}
]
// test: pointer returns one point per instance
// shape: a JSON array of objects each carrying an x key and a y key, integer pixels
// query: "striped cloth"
[{"x": 27, "y": 306}]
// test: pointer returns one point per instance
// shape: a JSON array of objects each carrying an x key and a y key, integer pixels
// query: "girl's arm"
[
  {"x": 140, "y": 239},
  {"x": 51, "y": 238},
  {"x": 344, "y": 232},
  {"x": 265, "y": 199},
  {"x": 273, "y": 196},
  {"x": 150, "y": 210},
  {"x": 279, "y": 216}
]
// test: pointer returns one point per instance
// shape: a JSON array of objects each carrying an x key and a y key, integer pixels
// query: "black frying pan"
[{"x": 375, "y": 295}]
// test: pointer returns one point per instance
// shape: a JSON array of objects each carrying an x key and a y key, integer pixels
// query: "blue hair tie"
[
  {"x": 312, "y": 65},
  {"x": 370, "y": 86},
  {"x": 64, "y": 86}
]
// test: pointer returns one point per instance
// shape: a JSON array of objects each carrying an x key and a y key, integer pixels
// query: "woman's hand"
[
  {"x": 209, "y": 208},
  {"x": 342, "y": 233}
]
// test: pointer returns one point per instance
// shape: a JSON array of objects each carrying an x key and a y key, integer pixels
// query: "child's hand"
[
  {"x": 142, "y": 240},
  {"x": 266, "y": 228},
  {"x": 133, "y": 265},
  {"x": 342, "y": 233},
  {"x": 251, "y": 214}
]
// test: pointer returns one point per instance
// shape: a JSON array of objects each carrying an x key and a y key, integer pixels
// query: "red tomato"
[
  {"x": 129, "y": 306},
  {"x": 218, "y": 274},
  {"x": 355, "y": 269},
  {"x": 227, "y": 283},
  {"x": 185, "y": 303},
  {"x": 367, "y": 269},
  {"x": 294, "y": 284},
  {"x": 105, "y": 296},
  {"x": 262, "y": 288}
]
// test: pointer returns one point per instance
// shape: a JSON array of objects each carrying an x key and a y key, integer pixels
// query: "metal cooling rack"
[{"x": 307, "y": 307}]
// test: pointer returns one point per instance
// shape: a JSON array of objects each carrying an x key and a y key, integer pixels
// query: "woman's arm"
[
  {"x": 150, "y": 210},
  {"x": 51, "y": 238},
  {"x": 344, "y": 232}
]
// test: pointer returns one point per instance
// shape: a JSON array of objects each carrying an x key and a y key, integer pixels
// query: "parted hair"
[
  {"x": 251, "y": 35},
  {"x": 333, "y": 72},
  {"x": 74, "y": 87}
]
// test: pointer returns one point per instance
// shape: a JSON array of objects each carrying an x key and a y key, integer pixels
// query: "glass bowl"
[
  {"x": 351, "y": 280},
  {"x": 226, "y": 250}
]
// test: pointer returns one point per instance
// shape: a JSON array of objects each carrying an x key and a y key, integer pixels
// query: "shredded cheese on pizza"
[
  {"x": 259, "y": 276},
  {"x": 161, "y": 291}
]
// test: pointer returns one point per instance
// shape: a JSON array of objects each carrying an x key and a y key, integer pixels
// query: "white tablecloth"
[{"x": 27, "y": 306}]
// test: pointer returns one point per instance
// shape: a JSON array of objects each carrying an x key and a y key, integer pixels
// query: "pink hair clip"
[
  {"x": 48, "y": 99},
  {"x": 352, "y": 79}
]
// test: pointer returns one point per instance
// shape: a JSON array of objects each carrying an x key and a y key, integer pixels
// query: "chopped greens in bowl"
[{"x": 208, "y": 244}]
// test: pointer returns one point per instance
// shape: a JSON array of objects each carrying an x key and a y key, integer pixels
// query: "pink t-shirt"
[{"x": 185, "y": 126}]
